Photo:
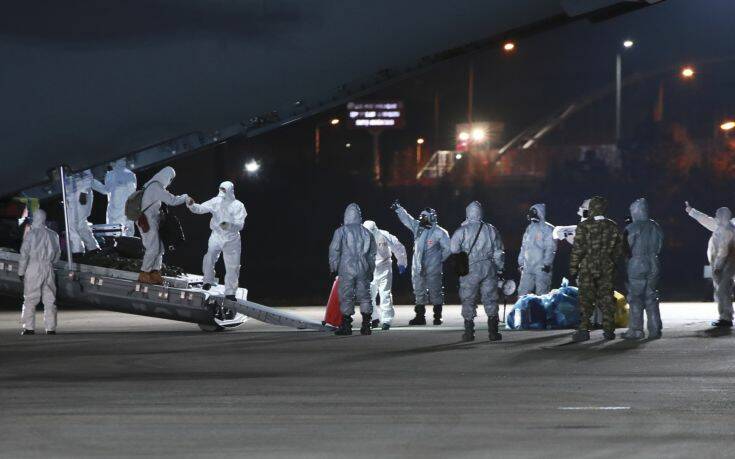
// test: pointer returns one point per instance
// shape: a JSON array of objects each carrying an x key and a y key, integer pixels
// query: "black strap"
[
  {"x": 479, "y": 230},
  {"x": 143, "y": 195}
]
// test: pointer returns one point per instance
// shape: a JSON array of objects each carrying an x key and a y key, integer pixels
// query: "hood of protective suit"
[
  {"x": 119, "y": 165},
  {"x": 723, "y": 216},
  {"x": 473, "y": 212},
  {"x": 353, "y": 215},
  {"x": 370, "y": 226},
  {"x": 584, "y": 207},
  {"x": 229, "y": 193},
  {"x": 540, "y": 211},
  {"x": 165, "y": 176},
  {"x": 431, "y": 214},
  {"x": 598, "y": 206},
  {"x": 639, "y": 210},
  {"x": 39, "y": 219}
]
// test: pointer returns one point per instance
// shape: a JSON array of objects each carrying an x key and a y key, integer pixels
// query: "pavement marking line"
[{"x": 593, "y": 408}]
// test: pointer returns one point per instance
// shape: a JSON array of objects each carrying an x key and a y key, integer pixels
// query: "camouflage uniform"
[{"x": 597, "y": 246}]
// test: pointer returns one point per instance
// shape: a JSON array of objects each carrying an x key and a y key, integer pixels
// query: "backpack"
[
  {"x": 170, "y": 230},
  {"x": 134, "y": 204}
]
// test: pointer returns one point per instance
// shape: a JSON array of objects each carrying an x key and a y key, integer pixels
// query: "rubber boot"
[
  {"x": 346, "y": 327},
  {"x": 469, "y": 331},
  {"x": 492, "y": 329},
  {"x": 632, "y": 334},
  {"x": 366, "y": 328},
  {"x": 420, "y": 318},
  {"x": 27, "y": 332},
  {"x": 581, "y": 335},
  {"x": 156, "y": 278},
  {"x": 438, "y": 314},
  {"x": 375, "y": 323},
  {"x": 722, "y": 323},
  {"x": 50, "y": 332},
  {"x": 654, "y": 334},
  {"x": 231, "y": 297},
  {"x": 385, "y": 327},
  {"x": 144, "y": 277},
  {"x": 206, "y": 286},
  {"x": 608, "y": 335}
]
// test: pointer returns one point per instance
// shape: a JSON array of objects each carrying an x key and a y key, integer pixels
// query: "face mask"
[
  {"x": 425, "y": 221},
  {"x": 628, "y": 219},
  {"x": 533, "y": 215}
]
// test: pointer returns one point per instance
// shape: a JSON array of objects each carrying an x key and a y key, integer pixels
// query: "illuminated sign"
[{"x": 375, "y": 114}]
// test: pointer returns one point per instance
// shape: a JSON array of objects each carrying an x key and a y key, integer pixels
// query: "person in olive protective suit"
[{"x": 598, "y": 245}]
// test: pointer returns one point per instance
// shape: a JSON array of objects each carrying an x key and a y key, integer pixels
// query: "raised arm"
[
  {"x": 703, "y": 219},
  {"x": 407, "y": 220}
]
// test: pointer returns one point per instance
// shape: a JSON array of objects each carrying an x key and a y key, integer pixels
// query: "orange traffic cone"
[{"x": 333, "y": 316}]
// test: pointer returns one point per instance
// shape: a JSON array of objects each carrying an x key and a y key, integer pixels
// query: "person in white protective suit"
[
  {"x": 643, "y": 240},
  {"x": 228, "y": 219},
  {"x": 387, "y": 246},
  {"x": 721, "y": 256},
  {"x": 154, "y": 195},
  {"x": 352, "y": 257},
  {"x": 536, "y": 259},
  {"x": 79, "y": 207},
  {"x": 120, "y": 183},
  {"x": 430, "y": 250},
  {"x": 482, "y": 243},
  {"x": 38, "y": 253}
]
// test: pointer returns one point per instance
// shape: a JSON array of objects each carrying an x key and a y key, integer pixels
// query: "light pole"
[
  {"x": 419, "y": 144},
  {"x": 627, "y": 44},
  {"x": 318, "y": 139}
]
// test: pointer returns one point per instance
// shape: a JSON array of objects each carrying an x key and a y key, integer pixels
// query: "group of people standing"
[
  {"x": 360, "y": 255},
  {"x": 40, "y": 248}
]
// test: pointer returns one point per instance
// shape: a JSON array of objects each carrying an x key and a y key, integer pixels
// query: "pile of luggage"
[{"x": 558, "y": 309}]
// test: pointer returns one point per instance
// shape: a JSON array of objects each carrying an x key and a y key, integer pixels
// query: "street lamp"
[
  {"x": 627, "y": 44},
  {"x": 252, "y": 166},
  {"x": 318, "y": 137},
  {"x": 478, "y": 135},
  {"x": 419, "y": 143},
  {"x": 509, "y": 46},
  {"x": 727, "y": 126},
  {"x": 464, "y": 136},
  {"x": 687, "y": 72}
]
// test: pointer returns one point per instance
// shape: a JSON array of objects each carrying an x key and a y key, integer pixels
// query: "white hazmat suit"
[
  {"x": 352, "y": 257},
  {"x": 387, "y": 246},
  {"x": 644, "y": 240},
  {"x": 536, "y": 258},
  {"x": 721, "y": 256},
  {"x": 38, "y": 253},
  {"x": 79, "y": 207},
  {"x": 228, "y": 219},
  {"x": 486, "y": 262},
  {"x": 156, "y": 193},
  {"x": 120, "y": 183}
]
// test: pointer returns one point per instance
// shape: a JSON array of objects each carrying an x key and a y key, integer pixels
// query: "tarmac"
[{"x": 113, "y": 385}]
